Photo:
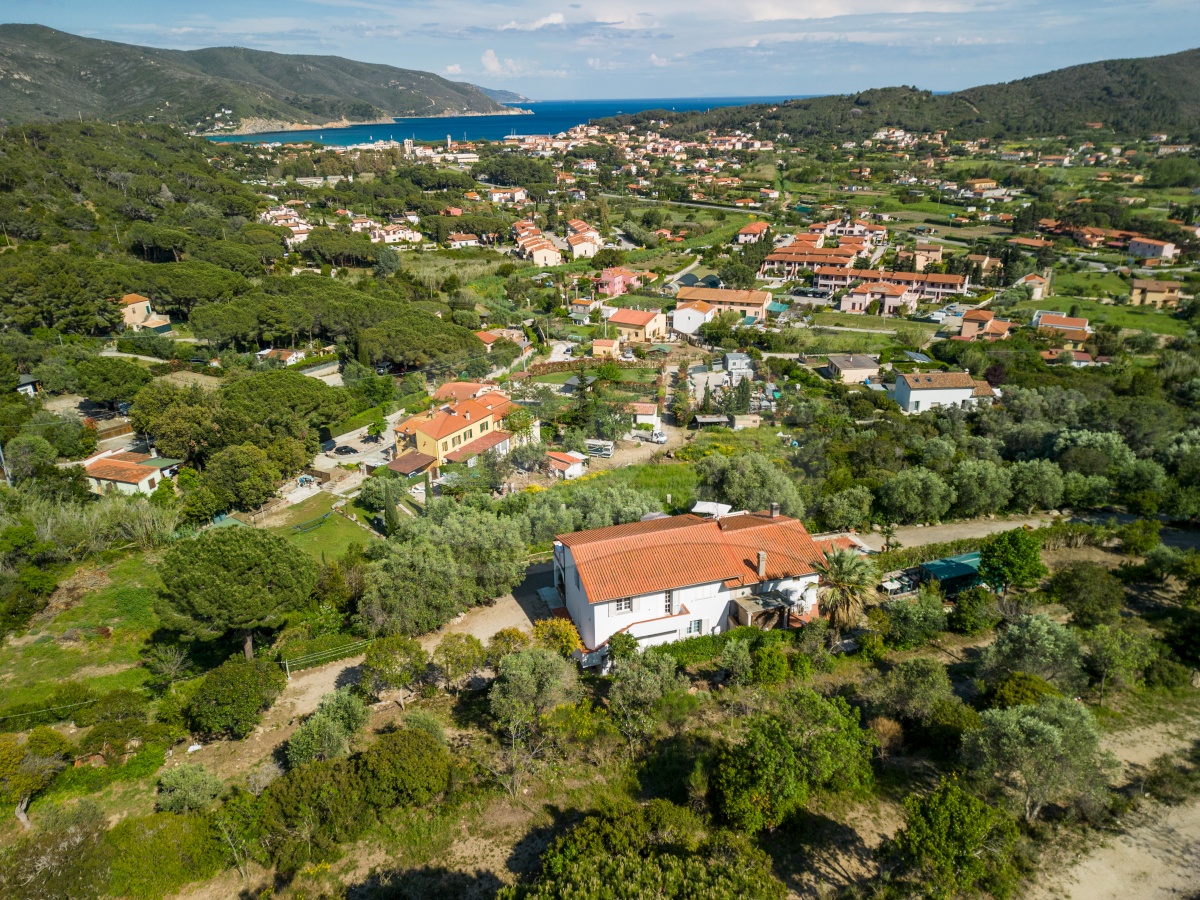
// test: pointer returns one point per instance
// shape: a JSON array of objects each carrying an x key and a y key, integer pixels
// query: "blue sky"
[{"x": 660, "y": 48}]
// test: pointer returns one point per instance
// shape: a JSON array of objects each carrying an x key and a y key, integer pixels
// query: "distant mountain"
[
  {"x": 1130, "y": 97},
  {"x": 50, "y": 75},
  {"x": 502, "y": 96}
]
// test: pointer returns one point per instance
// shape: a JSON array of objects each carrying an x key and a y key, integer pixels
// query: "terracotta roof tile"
[
  {"x": 661, "y": 554},
  {"x": 931, "y": 381}
]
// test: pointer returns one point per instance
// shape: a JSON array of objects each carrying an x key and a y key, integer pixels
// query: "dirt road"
[{"x": 915, "y": 535}]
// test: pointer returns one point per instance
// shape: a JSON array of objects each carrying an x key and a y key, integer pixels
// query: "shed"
[{"x": 954, "y": 573}]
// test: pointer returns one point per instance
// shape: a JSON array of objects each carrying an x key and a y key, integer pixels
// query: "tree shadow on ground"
[
  {"x": 668, "y": 765},
  {"x": 425, "y": 883},
  {"x": 812, "y": 850},
  {"x": 525, "y": 858}
]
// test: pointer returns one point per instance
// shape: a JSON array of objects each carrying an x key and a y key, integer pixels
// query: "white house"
[
  {"x": 462, "y": 241},
  {"x": 645, "y": 414},
  {"x": 688, "y": 317},
  {"x": 287, "y": 357},
  {"x": 1148, "y": 248},
  {"x": 662, "y": 580},
  {"x": 125, "y": 472},
  {"x": 929, "y": 390},
  {"x": 567, "y": 466},
  {"x": 738, "y": 366}
]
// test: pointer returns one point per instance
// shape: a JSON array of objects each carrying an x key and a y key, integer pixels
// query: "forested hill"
[
  {"x": 50, "y": 75},
  {"x": 89, "y": 213},
  {"x": 1129, "y": 96}
]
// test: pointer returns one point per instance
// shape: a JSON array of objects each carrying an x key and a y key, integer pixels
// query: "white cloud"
[
  {"x": 492, "y": 64},
  {"x": 536, "y": 24},
  {"x": 454, "y": 69},
  {"x": 656, "y": 60}
]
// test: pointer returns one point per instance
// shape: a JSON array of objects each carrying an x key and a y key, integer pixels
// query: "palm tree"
[{"x": 847, "y": 580}]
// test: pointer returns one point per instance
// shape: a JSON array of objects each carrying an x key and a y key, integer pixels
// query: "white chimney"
[
  {"x": 774, "y": 510},
  {"x": 762, "y": 563}
]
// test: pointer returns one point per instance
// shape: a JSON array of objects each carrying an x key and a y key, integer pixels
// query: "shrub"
[
  {"x": 187, "y": 789},
  {"x": 1164, "y": 672},
  {"x": 974, "y": 611},
  {"x": 1139, "y": 537},
  {"x": 1019, "y": 689},
  {"x": 155, "y": 855},
  {"x": 737, "y": 660},
  {"x": 770, "y": 665},
  {"x": 318, "y": 738},
  {"x": 420, "y": 720},
  {"x": 889, "y": 735},
  {"x": 504, "y": 642},
  {"x": 307, "y": 813},
  {"x": 557, "y": 635},
  {"x": 913, "y": 622},
  {"x": 408, "y": 767},
  {"x": 1090, "y": 591},
  {"x": 233, "y": 697}
]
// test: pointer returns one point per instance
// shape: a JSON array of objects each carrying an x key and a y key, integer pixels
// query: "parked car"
[{"x": 345, "y": 450}]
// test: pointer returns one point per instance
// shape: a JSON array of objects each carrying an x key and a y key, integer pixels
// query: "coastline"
[{"x": 254, "y": 126}]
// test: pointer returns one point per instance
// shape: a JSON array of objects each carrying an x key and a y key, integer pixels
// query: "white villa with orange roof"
[
  {"x": 663, "y": 580},
  {"x": 689, "y": 316}
]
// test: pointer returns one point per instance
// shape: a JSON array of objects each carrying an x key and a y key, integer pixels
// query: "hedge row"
[
  {"x": 1053, "y": 537},
  {"x": 706, "y": 647},
  {"x": 358, "y": 420}
]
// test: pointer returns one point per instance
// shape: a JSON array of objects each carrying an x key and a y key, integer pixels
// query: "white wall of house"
[
  {"x": 921, "y": 400},
  {"x": 688, "y": 321},
  {"x": 663, "y": 617},
  {"x": 145, "y": 486}
]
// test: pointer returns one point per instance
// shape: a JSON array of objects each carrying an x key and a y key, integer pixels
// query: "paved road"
[{"x": 120, "y": 355}]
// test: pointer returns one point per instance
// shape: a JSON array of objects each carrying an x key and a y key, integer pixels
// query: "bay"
[{"x": 548, "y": 117}]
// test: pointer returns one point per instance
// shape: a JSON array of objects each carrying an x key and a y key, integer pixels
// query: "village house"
[
  {"x": 1070, "y": 331},
  {"x": 458, "y": 241},
  {"x": 616, "y": 281},
  {"x": 1159, "y": 294},
  {"x": 126, "y": 472},
  {"x": 666, "y": 579},
  {"x": 745, "y": 303},
  {"x": 982, "y": 324},
  {"x": 644, "y": 414},
  {"x": 1148, "y": 248},
  {"x": 507, "y": 196},
  {"x": 1036, "y": 283},
  {"x": 137, "y": 315},
  {"x": 929, "y": 390},
  {"x": 639, "y": 325},
  {"x": 283, "y": 356},
  {"x": 852, "y": 368},
  {"x": 752, "y": 233},
  {"x": 458, "y": 432},
  {"x": 927, "y": 285},
  {"x": 893, "y": 299},
  {"x": 488, "y": 339},
  {"x": 566, "y": 466},
  {"x": 689, "y": 316},
  {"x": 454, "y": 391},
  {"x": 395, "y": 234},
  {"x": 603, "y": 348}
]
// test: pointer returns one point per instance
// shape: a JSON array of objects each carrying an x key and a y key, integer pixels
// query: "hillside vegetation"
[
  {"x": 1129, "y": 96},
  {"x": 50, "y": 75}
]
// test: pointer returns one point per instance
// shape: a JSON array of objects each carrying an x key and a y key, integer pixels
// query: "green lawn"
[
  {"x": 1138, "y": 318},
  {"x": 628, "y": 376},
  {"x": 331, "y": 539},
  {"x": 1092, "y": 284},
  {"x": 69, "y": 645},
  {"x": 875, "y": 323}
]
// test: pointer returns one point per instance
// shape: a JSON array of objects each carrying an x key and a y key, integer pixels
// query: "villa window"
[
  {"x": 695, "y": 626},
  {"x": 624, "y": 605},
  {"x": 669, "y": 603}
]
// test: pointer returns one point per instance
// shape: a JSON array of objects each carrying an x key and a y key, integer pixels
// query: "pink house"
[
  {"x": 893, "y": 299},
  {"x": 616, "y": 281}
]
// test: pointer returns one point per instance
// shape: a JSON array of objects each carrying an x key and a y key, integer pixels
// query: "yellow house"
[
  {"x": 641, "y": 325},
  {"x": 458, "y": 432},
  {"x": 1159, "y": 294}
]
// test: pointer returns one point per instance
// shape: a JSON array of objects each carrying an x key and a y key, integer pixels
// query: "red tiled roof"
[
  {"x": 461, "y": 390},
  {"x": 1062, "y": 322},
  {"x": 561, "y": 461},
  {"x": 929, "y": 381},
  {"x": 979, "y": 315},
  {"x": 479, "y": 445},
  {"x": 109, "y": 469},
  {"x": 486, "y": 337},
  {"x": 662, "y": 554},
  {"x": 642, "y": 409},
  {"x": 130, "y": 299},
  {"x": 637, "y": 318}
]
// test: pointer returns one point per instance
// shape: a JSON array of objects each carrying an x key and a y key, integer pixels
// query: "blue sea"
[{"x": 549, "y": 117}]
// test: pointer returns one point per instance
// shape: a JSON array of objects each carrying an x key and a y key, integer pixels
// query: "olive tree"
[{"x": 1041, "y": 754}]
